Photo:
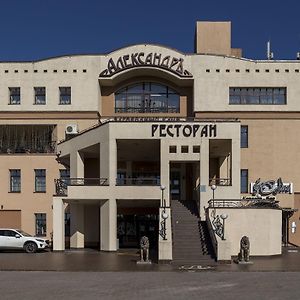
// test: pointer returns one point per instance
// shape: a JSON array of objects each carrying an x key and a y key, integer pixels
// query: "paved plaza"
[
  {"x": 89, "y": 274},
  {"x": 149, "y": 285},
  {"x": 94, "y": 261}
]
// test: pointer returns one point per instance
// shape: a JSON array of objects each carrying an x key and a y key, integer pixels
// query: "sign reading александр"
[
  {"x": 183, "y": 130},
  {"x": 142, "y": 59}
]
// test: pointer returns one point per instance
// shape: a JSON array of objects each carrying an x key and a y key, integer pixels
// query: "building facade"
[{"x": 145, "y": 126}]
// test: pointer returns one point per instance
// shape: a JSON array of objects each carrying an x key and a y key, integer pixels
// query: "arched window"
[{"x": 147, "y": 97}]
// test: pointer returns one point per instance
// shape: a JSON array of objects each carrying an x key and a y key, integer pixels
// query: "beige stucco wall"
[
  {"x": 84, "y": 88},
  {"x": 213, "y": 37},
  {"x": 262, "y": 226},
  {"x": 211, "y": 89},
  {"x": 27, "y": 200}
]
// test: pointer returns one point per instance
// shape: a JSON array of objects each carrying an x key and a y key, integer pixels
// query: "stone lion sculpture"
[
  {"x": 144, "y": 245},
  {"x": 244, "y": 254}
]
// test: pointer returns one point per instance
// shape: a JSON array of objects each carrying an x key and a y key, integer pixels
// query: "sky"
[{"x": 36, "y": 29}]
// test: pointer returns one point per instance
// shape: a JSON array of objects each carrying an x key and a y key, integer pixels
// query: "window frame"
[
  {"x": 14, "y": 92},
  {"x": 246, "y": 190},
  {"x": 244, "y": 143},
  {"x": 40, "y": 221},
  {"x": 37, "y": 93},
  {"x": 257, "y": 95},
  {"x": 39, "y": 185},
  {"x": 141, "y": 97},
  {"x": 12, "y": 184},
  {"x": 65, "y": 91}
]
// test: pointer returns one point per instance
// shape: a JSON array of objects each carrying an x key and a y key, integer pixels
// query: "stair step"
[{"x": 191, "y": 240}]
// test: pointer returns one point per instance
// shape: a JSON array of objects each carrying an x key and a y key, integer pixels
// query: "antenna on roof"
[{"x": 270, "y": 54}]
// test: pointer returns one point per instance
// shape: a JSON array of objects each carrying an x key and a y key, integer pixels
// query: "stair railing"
[{"x": 211, "y": 232}]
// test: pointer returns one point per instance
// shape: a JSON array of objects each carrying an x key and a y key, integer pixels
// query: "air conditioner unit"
[{"x": 72, "y": 129}]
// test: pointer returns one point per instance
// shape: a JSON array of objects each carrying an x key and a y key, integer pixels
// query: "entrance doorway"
[
  {"x": 184, "y": 180},
  {"x": 131, "y": 227},
  {"x": 135, "y": 219}
]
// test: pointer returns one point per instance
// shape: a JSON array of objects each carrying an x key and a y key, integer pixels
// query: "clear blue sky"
[{"x": 34, "y": 29}]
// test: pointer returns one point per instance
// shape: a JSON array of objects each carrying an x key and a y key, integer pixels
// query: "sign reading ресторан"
[
  {"x": 183, "y": 130},
  {"x": 142, "y": 59}
]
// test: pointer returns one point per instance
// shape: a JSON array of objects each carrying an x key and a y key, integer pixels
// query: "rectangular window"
[
  {"x": 40, "y": 180},
  {"x": 39, "y": 95},
  {"x": 14, "y": 95},
  {"x": 65, "y": 95},
  {"x": 40, "y": 224},
  {"x": 15, "y": 180},
  {"x": 257, "y": 95},
  {"x": 244, "y": 181},
  {"x": 244, "y": 136}
]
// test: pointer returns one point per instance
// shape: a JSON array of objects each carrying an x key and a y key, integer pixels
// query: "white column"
[
  {"x": 236, "y": 168},
  {"x": 108, "y": 225},
  {"x": 58, "y": 224},
  {"x": 165, "y": 246},
  {"x": 108, "y": 161},
  {"x": 77, "y": 225},
  {"x": 165, "y": 170},
  {"x": 205, "y": 192},
  {"x": 76, "y": 165}
]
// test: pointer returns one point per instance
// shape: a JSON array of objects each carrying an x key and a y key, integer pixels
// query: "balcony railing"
[
  {"x": 61, "y": 185},
  {"x": 138, "y": 181},
  {"x": 220, "y": 181},
  {"x": 244, "y": 203}
]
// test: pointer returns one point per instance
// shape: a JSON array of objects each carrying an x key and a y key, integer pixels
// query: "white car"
[{"x": 18, "y": 239}]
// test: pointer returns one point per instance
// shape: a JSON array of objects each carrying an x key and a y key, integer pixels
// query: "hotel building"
[{"x": 147, "y": 140}]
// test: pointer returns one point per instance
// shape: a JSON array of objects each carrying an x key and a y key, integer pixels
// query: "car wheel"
[{"x": 30, "y": 247}]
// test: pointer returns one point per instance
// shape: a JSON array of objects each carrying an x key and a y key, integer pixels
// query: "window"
[
  {"x": 172, "y": 149},
  {"x": 15, "y": 180},
  {"x": 196, "y": 149},
  {"x": 27, "y": 139},
  {"x": 244, "y": 136},
  {"x": 40, "y": 224},
  {"x": 255, "y": 95},
  {"x": 65, "y": 95},
  {"x": 244, "y": 181},
  {"x": 40, "y": 180},
  {"x": 64, "y": 174},
  {"x": 147, "y": 97},
  {"x": 14, "y": 95},
  {"x": 184, "y": 149},
  {"x": 39, "y": 95}
]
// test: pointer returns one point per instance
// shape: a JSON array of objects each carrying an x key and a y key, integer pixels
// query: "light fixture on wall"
[
  {"x": 213, "y": 187},
  {"x": 223, "y": 216}
]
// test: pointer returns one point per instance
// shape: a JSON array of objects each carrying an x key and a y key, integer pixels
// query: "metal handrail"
[
  {"x": 61, "y": 185},
  {"x": 138, "y": 181},
  {"x": 242, "y": 203}
]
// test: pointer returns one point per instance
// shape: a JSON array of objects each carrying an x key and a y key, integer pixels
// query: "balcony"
[{"x": 61, "y": 185}]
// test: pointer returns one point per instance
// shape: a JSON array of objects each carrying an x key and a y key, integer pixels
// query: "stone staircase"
[{"x": 191, "y": 240}]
